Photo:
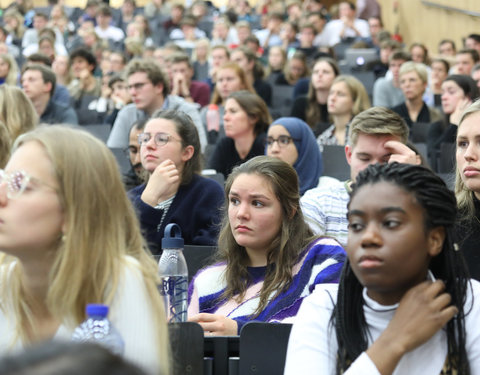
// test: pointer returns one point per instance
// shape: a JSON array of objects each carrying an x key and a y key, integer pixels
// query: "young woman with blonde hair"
[
  {"x": 70, "y": 237},
  {"x": 8, "y": 70}
]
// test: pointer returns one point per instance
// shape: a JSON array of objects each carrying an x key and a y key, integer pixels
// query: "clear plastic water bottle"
[
  {"x": 97, "y": 328},
  {"x": 213, "y": 118},
  {"x": 172, "y": 269}
]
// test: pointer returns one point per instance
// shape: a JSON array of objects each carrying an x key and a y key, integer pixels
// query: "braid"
[{"x": 440, "y": 209}]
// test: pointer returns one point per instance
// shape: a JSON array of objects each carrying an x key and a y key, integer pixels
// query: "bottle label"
[{"x": 174, "y": 290}]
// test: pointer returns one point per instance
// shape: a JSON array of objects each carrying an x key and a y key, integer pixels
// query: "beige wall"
[{"x": 417, "y": 22}]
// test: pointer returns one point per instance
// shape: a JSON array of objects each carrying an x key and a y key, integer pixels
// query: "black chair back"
[
  {"x": 186, "y": 341},
  {"x": 197, "y": 257},
  {"x": 335, "y": 162}
]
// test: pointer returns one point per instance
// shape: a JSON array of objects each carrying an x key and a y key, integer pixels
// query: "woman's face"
[
  {"x": 412, "y": 85},
  {"x": 297, "y": 68},
  {"x": 322, "y": 76},
  {"x": 439, "y": 71},
  {"x": 418, "y": 54},
  {"x": 280, "y": 144},
  {"x": 60, "y": 65},
  {"x": 339, "y": 100},
  {"x": 236, "y": 121},
  {"x": 227, "y": 82},
  {"x": 153, "y": 155},
  {"x": 47, "y": 48},
  {"x": 254, "y": 213},
  {"x": 452, "y": 94},
  {"x": 32, "y": 222},
  {"x": 4, "y": 68},
  {"x": 275, "y": 59},
  {"x": 468, "y": 152},
  {"x": 389, "y": 248}
]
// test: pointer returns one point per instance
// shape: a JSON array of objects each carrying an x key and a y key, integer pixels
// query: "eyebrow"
[
  {"x": 252, "y": 196},
  {"x": 384, "y": 210}
]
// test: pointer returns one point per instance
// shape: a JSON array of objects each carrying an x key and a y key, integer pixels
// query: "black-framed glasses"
[
  {"x": 17, "y": 182},
  {"x": 137, "y": 86},
  {"x": 282, "y": 140},
  {"x": 160, "y": 139}
]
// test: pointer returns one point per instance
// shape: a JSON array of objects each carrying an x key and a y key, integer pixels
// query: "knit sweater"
[{"x": 320, "y": 262}]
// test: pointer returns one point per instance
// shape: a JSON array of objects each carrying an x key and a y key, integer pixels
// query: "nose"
[
  {"x": 274, "y": 147},
  {"x": 371, "y": 236},
  {"x": 243, "y": 211},
  {"x": 470, "y": 153}
]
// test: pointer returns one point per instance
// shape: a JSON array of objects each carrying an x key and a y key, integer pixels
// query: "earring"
[{"x": 64, "y": 237}]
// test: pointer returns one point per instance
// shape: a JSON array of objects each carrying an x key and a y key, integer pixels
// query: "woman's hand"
[
  {"x": 422, "y": 312},
  {"x": 215, "y": 325},
  {"x": 162, "y": 184}
]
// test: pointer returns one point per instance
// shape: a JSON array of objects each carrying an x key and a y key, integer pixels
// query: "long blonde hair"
[
  {"x": 101, "y": 230},
  {"x": 12, "y": 75},
  {"x": 16, "y": 111}
]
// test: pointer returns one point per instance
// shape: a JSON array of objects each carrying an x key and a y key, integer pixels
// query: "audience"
[
  {"x": 8, "y": 70},
  {"x": 269, "y": 259}
]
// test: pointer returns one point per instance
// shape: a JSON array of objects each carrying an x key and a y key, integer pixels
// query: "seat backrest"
[
  {"x": 263, "y": 348},
  {"x": 186, "y": 341},
  {"x": 122, "y": 160},
  {"x": 419, "y": 132},
  {"x": 446, "y": 158},
  {"x": 335, "y": 162},
  {"x": 101, "y": 131},
  {"x": 198, "y": 257}
]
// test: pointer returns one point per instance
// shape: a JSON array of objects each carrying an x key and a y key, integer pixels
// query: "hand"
[
  {"x": 162, "y": 184},
  {"x": 457, "y": 114},
  {"x": 401, "y": 153},
  {"x": 422, "y": 312},
  {"x": 215, "y": 325},
  {"x": 106, "y": 91}
]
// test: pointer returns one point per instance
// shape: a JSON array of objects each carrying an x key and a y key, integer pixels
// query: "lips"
[
  {"x": 242, "y": 228},
  {"x": 369, "y": 261},
  {"x": 471, "y": 171}
]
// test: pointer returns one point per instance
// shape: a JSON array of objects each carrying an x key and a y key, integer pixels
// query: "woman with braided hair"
[{"x": 404, "y": 304}]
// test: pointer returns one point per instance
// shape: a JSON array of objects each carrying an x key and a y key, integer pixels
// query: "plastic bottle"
[
  {"x": 97, "y": 328},
  {"x": 172, "y": 269},
  {"x": 213, "y": 118}
]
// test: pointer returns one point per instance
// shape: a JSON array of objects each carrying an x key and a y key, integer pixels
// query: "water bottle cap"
[
  {"x": 172, "y": 239},
  {"x": 97, "y": 309},
  {"x": 213, "y": 106}
]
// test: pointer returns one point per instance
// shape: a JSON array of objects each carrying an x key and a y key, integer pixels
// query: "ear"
[
  {"x": 436, "y": 237},
  {"x": 348, "y": 154},
  {"x": 187, "y": 153},
  {"x": 159, "y": 89}
]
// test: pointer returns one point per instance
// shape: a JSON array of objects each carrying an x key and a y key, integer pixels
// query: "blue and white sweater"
[{"x": 320, "y": 262}]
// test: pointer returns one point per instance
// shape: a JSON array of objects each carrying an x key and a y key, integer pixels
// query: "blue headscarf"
[{"x": 309, "y": 163}]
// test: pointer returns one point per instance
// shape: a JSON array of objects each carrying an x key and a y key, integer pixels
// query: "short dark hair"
[
  {"x": 400, "y": 55},
  {"x": 176, "y": 58},
  {"x": 86, "y": 54},
  {"x": 48, "y": 76},
  {"x": 475, "y": 37},
  {"x": 470, "y": 51},
  {"x": 39, "y": 58},
  {"x": 104, "y": 10},
  {"x": 155, "y": 74}
]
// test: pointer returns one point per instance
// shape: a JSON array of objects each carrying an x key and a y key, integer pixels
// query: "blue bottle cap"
[
  {"x": 97, "y": 309},
  {"x": 172, "y": 238}
]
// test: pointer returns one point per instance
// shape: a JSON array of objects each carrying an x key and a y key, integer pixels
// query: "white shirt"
[{"x": 334, "y": 28}]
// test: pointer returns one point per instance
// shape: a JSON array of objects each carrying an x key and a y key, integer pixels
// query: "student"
[
  {"x": 404, "y": 304},
  {"x": 175, "y": 191},
  {"x": 246, "y": 120},
  {"x": 291, "y": 140},
  {"x": 270, "y": 259},
  {"x": 70, "y": 237},
  {"x": 377, "y": 135},
  {"x": 467, "y": 187}
]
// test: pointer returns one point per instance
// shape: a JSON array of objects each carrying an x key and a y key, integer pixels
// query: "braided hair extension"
[{"x": 440, "y": 209}]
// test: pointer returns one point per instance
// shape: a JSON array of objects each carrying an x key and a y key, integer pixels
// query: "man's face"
[
  {"x": 219, "y": 57},
  {"x": 39, "y": 22},
  {"x": 394, "y": 67},
  {"x": 103, "y": 20},
  {"x": 143, "y": 92},
  {"x": 116, "y": 62},
  {"x": 374, "y": 25},
  {"x": 183, "y": 69},
  {"x": 79, "y": 65},
  {"x": 344, "y": 10},
  {"x": 446, "y": 49},
  {"x": 134, "y": 151},
  {"x": 33, "y": 84},
  {"x": 369, "y": 149},
  {"x": 464, "y": 63}
]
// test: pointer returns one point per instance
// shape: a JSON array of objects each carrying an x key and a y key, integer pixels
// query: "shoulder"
[
  {"x": 210, "y": 279},
  {"x": 321, "y": 194},
  {"x": 129, "y": 109},
  {"x": 176, "y": 102}
]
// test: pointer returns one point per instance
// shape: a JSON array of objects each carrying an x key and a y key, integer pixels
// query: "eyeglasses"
[
  {"x": 17, "y": 182},
  {"x": 137, "y": 86},
  {"x": 282, "y": 140},
  {"x": 160, "y": 139}
]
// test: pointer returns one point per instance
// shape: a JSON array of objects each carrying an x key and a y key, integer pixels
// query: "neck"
[
  {"x": 40, "y": 103},
  {"x": 322, "y": 96},
  {"x": 256, "y": 258},
  {"x": 414, "y": 105},
  {"x": 341, "y": 121},
  {"x": 157, "y": 104},
  {"x": 244, "y": 144}
]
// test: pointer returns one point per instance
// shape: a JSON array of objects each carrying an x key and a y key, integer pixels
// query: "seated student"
[
  {"x": 413, "y": 83},
  {"x": 246, "y": 120},
  {"x": 175, "y": 192},
  {"x": 291, "y": 140},
  {"x": 70, "y": 237},
  {"x": 295, "y": 69},
  {"x": 467, "y": 187},
  {"x": 458, "y": 92},
  {"x": 270, "y": 259},
  {"x": 404, "y": 304}
]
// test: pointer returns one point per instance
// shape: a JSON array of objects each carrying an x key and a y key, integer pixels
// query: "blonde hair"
[
  {"x": 463, "y": 194},
  {"x": 101, "y": 230},
  {"x": 12, "y": 75},
  {"x": 240, "y": 73},
  {"x": 411, "y": 66},
  {"x": 359, "y": 95},
  {"x": 4, "y": 145},
  {"x": 16, "y": 121}
]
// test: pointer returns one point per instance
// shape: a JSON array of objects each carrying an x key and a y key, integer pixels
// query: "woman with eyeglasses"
[
  {"x": 292, "y": 140},
  {"x": 175, "y": 191},
  {"x": 69, "y": 237},
  {"x": 268, "y": 258},
  {"x": 245, "y": 120}
]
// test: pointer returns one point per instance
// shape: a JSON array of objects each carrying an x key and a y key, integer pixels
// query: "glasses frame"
[
  {"x": 8, "y": 179},
  {"x": 155, "y": 136},
  {"x": 280, "y": 144}
]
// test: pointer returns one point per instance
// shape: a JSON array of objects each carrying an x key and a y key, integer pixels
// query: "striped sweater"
[{"x": 321, "y": 262}]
